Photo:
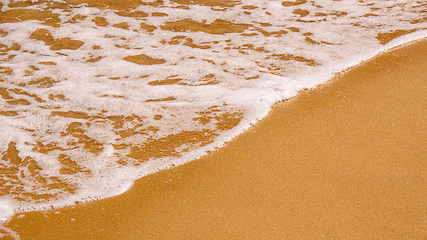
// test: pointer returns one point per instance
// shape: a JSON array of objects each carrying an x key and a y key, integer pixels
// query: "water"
[{"x": 95, "y": 94}]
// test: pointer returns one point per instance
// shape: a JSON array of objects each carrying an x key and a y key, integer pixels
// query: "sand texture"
[{"x": 346, "y": 160}]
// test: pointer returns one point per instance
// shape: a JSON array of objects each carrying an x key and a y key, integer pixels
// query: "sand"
[{"x": 346, "y": 160}]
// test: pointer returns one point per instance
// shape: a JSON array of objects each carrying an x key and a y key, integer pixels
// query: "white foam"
[
  {"x": 8, "y": 233},
  {"x": 247, "y": 81},
  {"x": 6, "y": 211}
]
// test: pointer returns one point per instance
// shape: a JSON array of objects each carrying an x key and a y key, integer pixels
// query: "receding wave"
[{"x": 95, "y": 94}]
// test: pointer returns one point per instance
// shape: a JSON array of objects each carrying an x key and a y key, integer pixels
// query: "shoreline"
[{"x": 265, "y": 182}]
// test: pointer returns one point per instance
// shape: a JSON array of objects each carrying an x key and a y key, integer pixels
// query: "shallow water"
[{"x": 95, "y": 94}]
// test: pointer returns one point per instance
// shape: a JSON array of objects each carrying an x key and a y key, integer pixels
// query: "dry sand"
[{"x": 347, "y": 160}]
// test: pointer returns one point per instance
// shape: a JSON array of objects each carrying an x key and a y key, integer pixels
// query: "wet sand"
[{"x": 346, "y": 160}]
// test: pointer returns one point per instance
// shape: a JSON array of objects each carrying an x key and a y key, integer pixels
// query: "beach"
[{"x": 345, "y": 160}]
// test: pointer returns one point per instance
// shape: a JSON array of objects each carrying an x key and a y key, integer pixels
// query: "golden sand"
[{"x": 346, "y": 160}]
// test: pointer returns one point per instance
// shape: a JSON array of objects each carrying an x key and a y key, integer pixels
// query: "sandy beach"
[{"x": 346, "y": 160}]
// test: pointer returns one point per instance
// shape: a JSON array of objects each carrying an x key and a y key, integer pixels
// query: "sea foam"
[{"x": 96, "y": 96}]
